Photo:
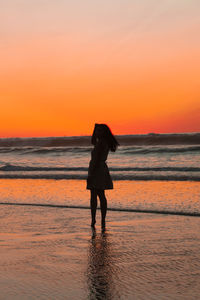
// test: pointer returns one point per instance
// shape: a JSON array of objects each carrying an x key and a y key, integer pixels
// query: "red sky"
[{"x": 134, "y": 65}]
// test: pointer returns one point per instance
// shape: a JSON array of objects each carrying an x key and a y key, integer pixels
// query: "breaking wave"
[
  {"x": 43, "y": 150},
  {"x": 175, "y": 177},
  {"x": 168, "y": 149},
  {"x": 10, "y": 167},
  {"x": 133, "y": 150}
]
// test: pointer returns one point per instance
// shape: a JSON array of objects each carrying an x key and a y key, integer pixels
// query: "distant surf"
[{"x": 139, "y": 139}]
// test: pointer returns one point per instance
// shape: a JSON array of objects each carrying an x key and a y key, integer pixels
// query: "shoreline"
[
  {"x": 162, "y": 212},
  {"x": 181, "y": 198}
]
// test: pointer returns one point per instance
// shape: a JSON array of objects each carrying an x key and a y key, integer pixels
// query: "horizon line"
[{"x": 73, "y": 136}]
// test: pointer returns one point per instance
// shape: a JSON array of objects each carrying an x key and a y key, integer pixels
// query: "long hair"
[{"x": 107, "y": 135}]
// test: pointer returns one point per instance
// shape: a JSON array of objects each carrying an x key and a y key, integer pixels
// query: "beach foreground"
[{"x": 52, "y": 253}]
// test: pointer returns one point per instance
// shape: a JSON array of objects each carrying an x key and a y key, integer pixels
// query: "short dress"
[{"x": 98, "y": 173}]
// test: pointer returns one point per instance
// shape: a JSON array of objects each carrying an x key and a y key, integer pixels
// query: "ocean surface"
[
  {"x": 151, "y": 173},
  {"x": 139, "y": 157}
]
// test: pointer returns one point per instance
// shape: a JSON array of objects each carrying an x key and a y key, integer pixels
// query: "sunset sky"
[{"x": 65, "y": 65}]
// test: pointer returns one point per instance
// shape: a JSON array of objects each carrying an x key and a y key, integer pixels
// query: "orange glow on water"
[{"x": 146, "y": 195}]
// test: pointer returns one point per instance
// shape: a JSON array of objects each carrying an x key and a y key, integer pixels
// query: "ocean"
[
  {"x": 153, "y": 173},
  {"x": 144, "y": 157}
]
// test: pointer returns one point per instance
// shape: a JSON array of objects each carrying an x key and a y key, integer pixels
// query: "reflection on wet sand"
[{"x": 100, "y": 267}]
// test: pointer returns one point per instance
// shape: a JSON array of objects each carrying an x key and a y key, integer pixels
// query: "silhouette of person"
[{"x": 99, "y": 178}]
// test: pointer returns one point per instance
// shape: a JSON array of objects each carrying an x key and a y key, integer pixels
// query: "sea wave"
[
  {"x": 134, "y": 177},
  {"x": 10, "y": 167},
  {"x": 44, "y": 150},
  {"x": 138, "y": 139},
  {"x": 166, "y": 149},
  {"x": 123, "y": 150}
]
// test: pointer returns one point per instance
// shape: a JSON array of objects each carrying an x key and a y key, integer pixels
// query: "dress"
[{"x": 98, "y": 173}]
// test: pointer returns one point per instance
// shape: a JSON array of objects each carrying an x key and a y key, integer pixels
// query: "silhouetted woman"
[{"x": 99, "y": 178}]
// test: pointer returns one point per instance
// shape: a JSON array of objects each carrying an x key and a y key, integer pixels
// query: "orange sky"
[{"x": 134, "y": 66}]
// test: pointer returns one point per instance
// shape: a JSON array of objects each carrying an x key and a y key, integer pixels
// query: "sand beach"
[{"x": 52, "y": 253}]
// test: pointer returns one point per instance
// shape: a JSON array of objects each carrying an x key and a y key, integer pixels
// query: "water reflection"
[{"x": 99, "y": 271}]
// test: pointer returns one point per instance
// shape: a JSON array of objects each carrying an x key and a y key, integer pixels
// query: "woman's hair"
[{"x": 107, "y": 135}]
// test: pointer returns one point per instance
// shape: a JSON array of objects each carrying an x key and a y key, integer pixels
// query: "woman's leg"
[
  {"x": 93, "y": 206},
  {"x": 103, "y": 202}
]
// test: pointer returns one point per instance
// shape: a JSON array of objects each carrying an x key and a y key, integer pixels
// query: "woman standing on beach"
[{"x": 99, "y": 178}]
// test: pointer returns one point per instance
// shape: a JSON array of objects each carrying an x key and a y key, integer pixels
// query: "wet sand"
[
  {"x": 157, "y": 196},
  {"x": 52, "y": 253}
]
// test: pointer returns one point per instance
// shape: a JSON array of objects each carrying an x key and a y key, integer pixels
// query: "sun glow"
[{"x": 137, "y": 73}]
